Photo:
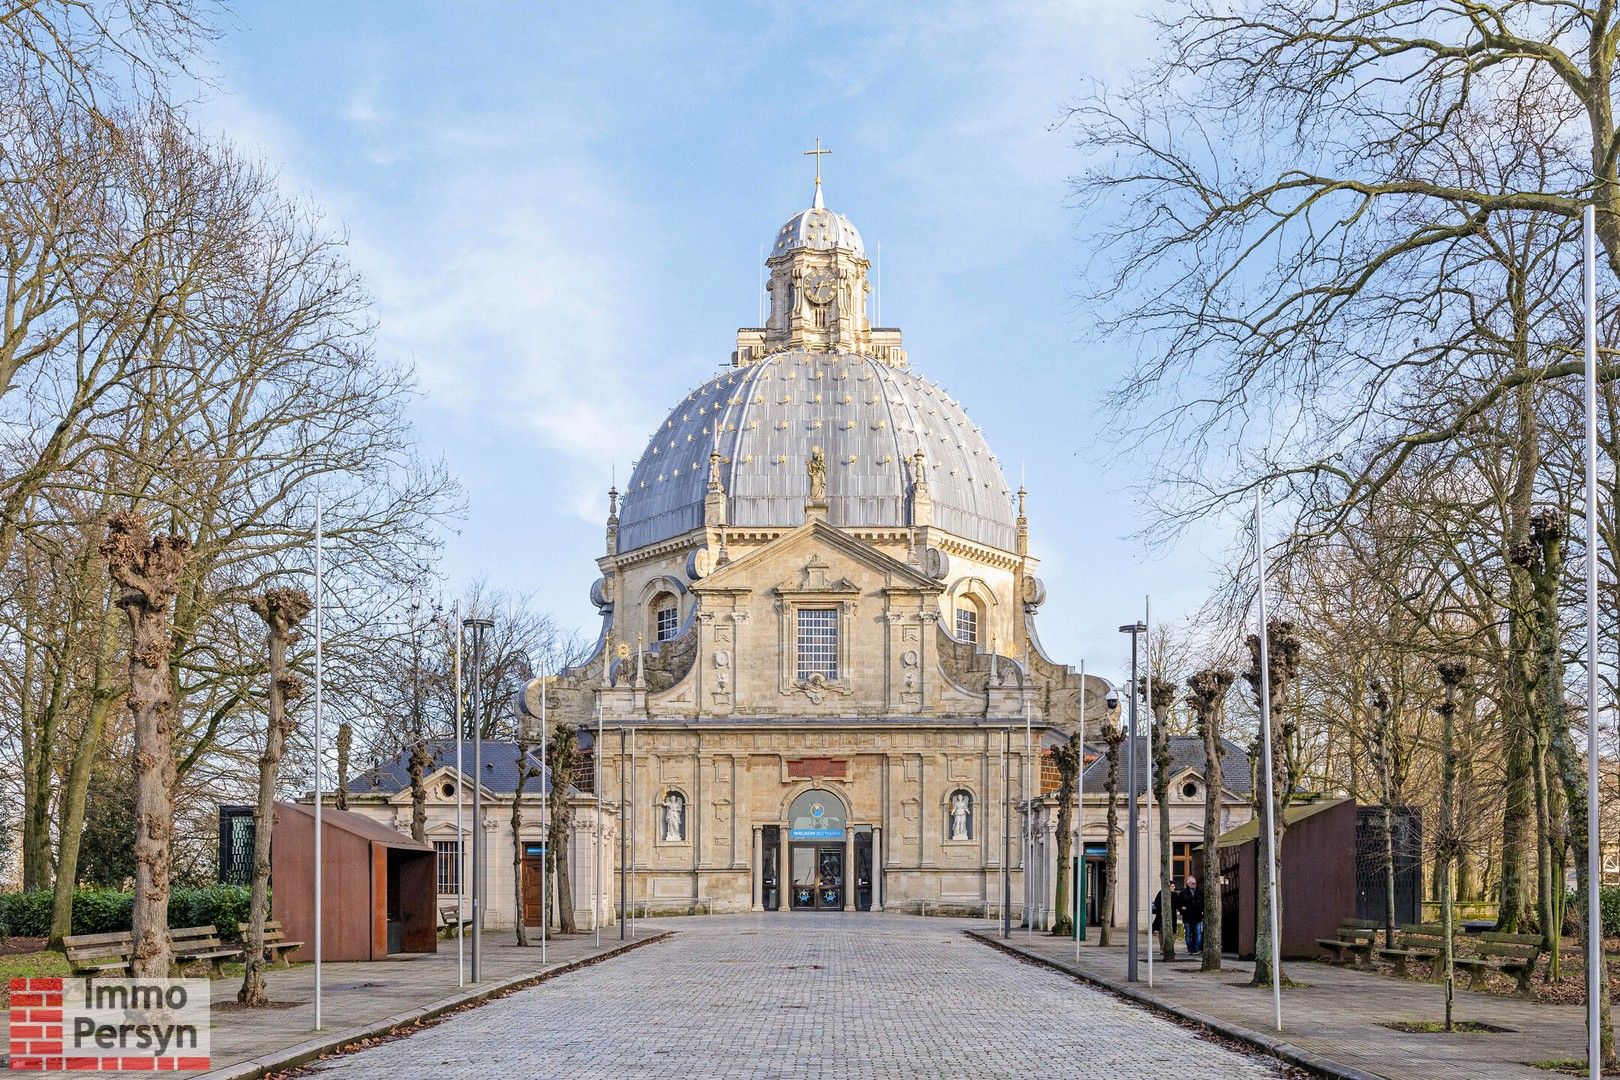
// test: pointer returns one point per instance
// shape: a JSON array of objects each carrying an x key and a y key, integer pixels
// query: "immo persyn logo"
[{"x": 108, "y": 1024}]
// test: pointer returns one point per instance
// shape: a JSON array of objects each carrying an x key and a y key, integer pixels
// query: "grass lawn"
[{"x": 24, "y": 964}]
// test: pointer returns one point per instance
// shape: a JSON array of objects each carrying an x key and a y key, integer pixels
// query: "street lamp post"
[
  {"x": 1133, "y": 844},
  {"x": 478, "y": 626}
]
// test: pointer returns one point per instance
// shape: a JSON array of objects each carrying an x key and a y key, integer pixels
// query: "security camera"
[{"x": 1112, "y": 700}]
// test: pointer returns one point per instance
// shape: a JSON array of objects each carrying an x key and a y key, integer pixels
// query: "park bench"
[
  {"x": 450, "y": 918},
  {"x": 1511, "y": 954},
  {"x": 99, "y": 954},
  {"x": 276, "y": 945},
  {"x": 194, "y": 944},
  {"x": 1423, "y": 942},
  {"x": 1355, "y": 940}
]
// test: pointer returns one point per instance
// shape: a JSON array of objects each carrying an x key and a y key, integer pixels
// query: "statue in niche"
[
  {"x": 818, "y": 474},
  {"x": 961, "y": 808},
  {"x": 674, "y": 816}
]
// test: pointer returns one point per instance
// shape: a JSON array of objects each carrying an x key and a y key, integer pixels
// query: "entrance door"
[
  {"x": 863, "y": 871},
  {"x": 818, "y": 877},
  {"x": 534, "y": 856},
  {"x": 770, "y": 889},
  {"x": 1096, "y": 889}
]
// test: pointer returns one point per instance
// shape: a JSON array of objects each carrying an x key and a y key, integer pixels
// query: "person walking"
[{"x": 1190, "y": 901}]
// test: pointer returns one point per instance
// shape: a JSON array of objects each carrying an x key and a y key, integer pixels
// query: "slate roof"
[
  {"x": 499, "y": 760},
  {"x": 1186, "y": 752}
]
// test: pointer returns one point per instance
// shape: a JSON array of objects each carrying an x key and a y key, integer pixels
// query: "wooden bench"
[
  {"x": 1511, "y": 954},
  {"x": 194, "y": 944},
  {"x": 276, "y": 945},
  {"x": 1417, "y": 941},
  {"x": 450, "y": 918},
  {"x": 1356, "y": 940},
  {"x": 99, "y": 954}
]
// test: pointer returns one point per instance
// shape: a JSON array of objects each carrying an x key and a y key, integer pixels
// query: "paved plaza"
[{"x": 824, "y": 995}]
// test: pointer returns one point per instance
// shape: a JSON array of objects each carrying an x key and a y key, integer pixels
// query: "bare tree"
[
  {"x": 1283, "y": 664},
  {"x": 1069, "y": 757},
  {"x": 282, "y": 609},
  {"x": 1164, "y": 691},
  {"x": 1113, "y": 736},
  {"x": 1208, "y": 700},
  {"x": 149, "y": 570},
  {"x": 563, "y": 761}
]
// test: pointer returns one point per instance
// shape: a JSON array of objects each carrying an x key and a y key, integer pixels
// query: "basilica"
[{"x": 818, "y": 679}]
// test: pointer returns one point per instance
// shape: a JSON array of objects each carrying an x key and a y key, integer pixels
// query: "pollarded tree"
[
  {"x": 1283, "y": 661},
  {"x": 1113, "y": 736},
  {"x": 1069, "y": 757},
  {"x": 562, "y": 759},
  {"x": 1207, "y": 697},
  {"x": 148, "y": 569},
  {"x": 282, "y": 610},
  {"x": 1163, "y": 697}
]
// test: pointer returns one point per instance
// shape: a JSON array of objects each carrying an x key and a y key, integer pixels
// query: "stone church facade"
[{"x": 818, "y": 673}]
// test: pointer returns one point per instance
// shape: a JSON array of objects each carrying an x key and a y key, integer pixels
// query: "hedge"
[{"x": 106, "y": 911}]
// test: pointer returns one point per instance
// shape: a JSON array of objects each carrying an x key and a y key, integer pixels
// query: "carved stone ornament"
[
  {"x": 1034, "y": 592},
  {"x": 699, "y": 563},
  {"x": 936, "y": 564},
  {"x": 722, "y": 658},
  {"x": 816, "y": 688}
]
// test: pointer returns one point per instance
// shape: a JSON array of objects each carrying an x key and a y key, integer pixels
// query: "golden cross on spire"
[{"x": 817, "y": 154}]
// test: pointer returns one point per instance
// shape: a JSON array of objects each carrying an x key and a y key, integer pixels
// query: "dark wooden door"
[{"x": 533, "y": 876}]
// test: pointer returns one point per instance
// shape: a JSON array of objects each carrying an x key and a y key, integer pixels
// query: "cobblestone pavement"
[{"x": 813, "y": 995}]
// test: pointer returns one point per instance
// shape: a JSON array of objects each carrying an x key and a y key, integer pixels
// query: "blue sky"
[{"x": 560, "y": 213}]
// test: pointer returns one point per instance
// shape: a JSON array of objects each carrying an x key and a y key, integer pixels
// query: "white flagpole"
[
  {"x": 1153, "y": 849},
  {"x": 1265, "y": 757},
  {"x": 545, "y": 818},
  {"x": 1078, "y": 870},
  {"x": 1594, "y": 941},
  {"x": 461, "y": 832},
  {"x": 320, "y": 629}
]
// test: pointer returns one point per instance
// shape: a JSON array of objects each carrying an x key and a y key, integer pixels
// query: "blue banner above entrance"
[{"x": 815, "y": 834}]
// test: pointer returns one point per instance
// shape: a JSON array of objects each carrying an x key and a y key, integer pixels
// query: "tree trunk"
[
  {"x": 1114, "y": 736},
  {"x": 148, "y": 569},
  {"x": 1159, "y": 737},
  {"x": 345, "y": 740},
  {"x": 524, "y": 771},
  {"x": 282, "y": 610},
  {"x": 563, "y": 759},
  {"x": 1208, "y": 700},
  {"x": 1070, "y": 760},
  {"x": 74, "y": 792}
]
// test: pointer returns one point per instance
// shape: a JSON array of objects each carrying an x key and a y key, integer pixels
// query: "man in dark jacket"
[{"x": 1190, "y": 902}]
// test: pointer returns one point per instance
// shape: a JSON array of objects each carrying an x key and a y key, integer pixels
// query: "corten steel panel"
[
  {"x": 379, "y": 907},
  {"x": 347, "y": 895},
  {"x": 870, "y": 420},
  {"x": 1318, "y": 870}
]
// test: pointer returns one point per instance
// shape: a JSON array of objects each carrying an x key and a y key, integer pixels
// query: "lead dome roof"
[
  {"x": 818, "y": 229},
  {"x": 868, "y": 417}
]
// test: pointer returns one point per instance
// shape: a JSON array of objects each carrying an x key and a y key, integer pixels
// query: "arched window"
[
  {"x": 967, "y": 621},
  {"x": 959, "y": 815},
  {"x": 665, "y": 614},
  {"x": 672, "y": 817},
  {"x": 816, "y": 815}
]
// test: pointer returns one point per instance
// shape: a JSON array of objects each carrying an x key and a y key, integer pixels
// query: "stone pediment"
[{"x": 816, "y": 549}]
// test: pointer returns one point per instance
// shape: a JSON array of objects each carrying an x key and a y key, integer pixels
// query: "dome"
[
  {"x": 818, "y": 229},
  {"x": 868, "y": 417}
]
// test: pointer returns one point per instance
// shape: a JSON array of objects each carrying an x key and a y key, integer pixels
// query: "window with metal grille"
[
  {"x": 665, "y": 622},
  {"x": 818, "y": 643},
  {"x": 967, "y": 625},
  {"x": 449, "y": 877}
]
